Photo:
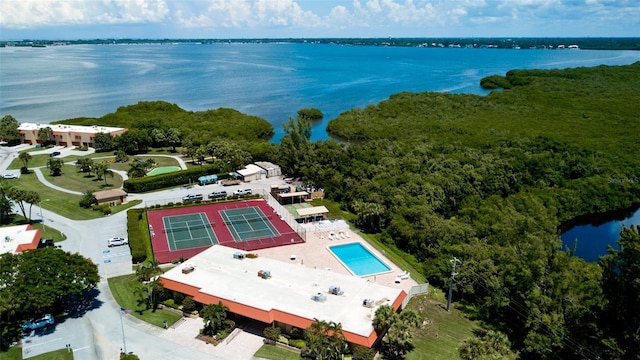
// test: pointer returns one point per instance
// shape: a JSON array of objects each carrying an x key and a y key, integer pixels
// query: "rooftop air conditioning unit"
[{"x": 335, "y": 290}]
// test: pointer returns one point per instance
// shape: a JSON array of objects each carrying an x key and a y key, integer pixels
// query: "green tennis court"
[
  {"x": 248, "y": 223},
  {"x": 188, "y": 231},
  {"x": 163, "y": 170}
]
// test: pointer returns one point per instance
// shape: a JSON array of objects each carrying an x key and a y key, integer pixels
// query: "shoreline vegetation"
[{"x": 614, "y": 43}]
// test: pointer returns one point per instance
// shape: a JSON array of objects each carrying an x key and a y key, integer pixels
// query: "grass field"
[
  {"x": 71, "y": 179},
  {"x": 62, "y": 354},
  {"x": 275, "y": 353},
  {"x": 15, "y": 353},
  {"x": 124, "y": 290},
  {"x": 62, "y": 203},
  {"x": 160, "y": 161},
  {"x": 443, "y": 332}
]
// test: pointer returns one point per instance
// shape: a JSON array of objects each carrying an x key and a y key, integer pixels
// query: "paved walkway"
[{"x": 47, "y": 183}]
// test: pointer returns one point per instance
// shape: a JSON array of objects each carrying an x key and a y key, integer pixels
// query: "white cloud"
[
  {"x": 308, "y": 18},
  {"x": 32, "y": 13}
]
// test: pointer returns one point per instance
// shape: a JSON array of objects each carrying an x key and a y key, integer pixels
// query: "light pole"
[{"x": 124, "y": 343}]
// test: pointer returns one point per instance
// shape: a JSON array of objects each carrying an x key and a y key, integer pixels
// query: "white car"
[
  {"x": 117, "y": 241},
  {"x": 242, "y": 192},
  {"x": 10, "y": 176}
]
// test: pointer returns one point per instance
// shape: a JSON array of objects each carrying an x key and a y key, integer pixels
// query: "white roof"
[
  {"x": 292, "y": 194},
  {"x": 289, "y": 289},
  {"x": 266, "y": 165},
  {"x": 69, "y": 128},
  {"x": 312, "y": 210},
  {"x": 13, "y": 236},
  {"x": 250, "y": 170}
]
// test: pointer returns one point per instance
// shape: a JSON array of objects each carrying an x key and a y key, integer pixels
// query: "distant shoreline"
[{"x": 560, "y": 43}]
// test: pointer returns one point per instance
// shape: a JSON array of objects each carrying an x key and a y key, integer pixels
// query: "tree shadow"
[{"x": 77, "y": 306}]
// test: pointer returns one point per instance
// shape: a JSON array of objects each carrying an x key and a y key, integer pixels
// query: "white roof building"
[
  {"x": 285, "y": 296},
  {"x": 15, "y": 239}
]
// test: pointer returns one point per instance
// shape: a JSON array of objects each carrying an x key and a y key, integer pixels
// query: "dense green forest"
[
  {"x": 488, "y": 180},
  {"x": 197, "y": 126}
]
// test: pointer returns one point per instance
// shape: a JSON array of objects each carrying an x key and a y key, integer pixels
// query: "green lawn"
[
  {"x": 160, "y": 161},
  {"x": 61, "y": 203},
  {"x": 444, "y": 332},
  {"x": 42, "y": 159},
  {"x": 124, "y": 288},
  {"x": 15, "y": 353},
  {"x": 62, "y": 354},
  {"x": 275, "y": 353},
  {"x": 73, "y": 180}
]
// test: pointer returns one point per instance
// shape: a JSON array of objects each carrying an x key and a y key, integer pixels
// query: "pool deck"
[{"x": 315, "y": 254}]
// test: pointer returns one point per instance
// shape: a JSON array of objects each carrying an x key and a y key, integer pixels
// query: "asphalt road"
[{"x": 98, "y": 333}]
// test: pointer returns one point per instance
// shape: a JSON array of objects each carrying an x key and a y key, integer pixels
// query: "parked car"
[
  {"x": 242, "y": 192},
  {"x": 10, "y": 176},
  {"x": 117, "y": 241},
  {"x": 38, "y": 323},
  {"x": 218, "y": 194},
  {"x": 55, "y": 153},
  {"x": 192, "y": 197}
]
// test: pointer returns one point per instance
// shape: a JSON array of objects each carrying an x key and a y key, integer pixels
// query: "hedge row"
[
  {"x": 150, "y": 183},
  {"x": 138, "y": 235}
]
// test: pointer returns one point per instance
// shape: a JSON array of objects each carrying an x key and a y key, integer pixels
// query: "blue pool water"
[{"x": 357, "y": 259}]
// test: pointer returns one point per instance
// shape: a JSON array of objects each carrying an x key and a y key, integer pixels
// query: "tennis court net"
[
  {"x": 244, "y": 220},
  {"x": 186, "y": 228}
]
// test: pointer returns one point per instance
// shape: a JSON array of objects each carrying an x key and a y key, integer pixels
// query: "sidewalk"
[{"x": 240, "y": 345}]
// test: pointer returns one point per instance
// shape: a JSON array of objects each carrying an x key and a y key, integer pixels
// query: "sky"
[{"x": 236, "y": 19}]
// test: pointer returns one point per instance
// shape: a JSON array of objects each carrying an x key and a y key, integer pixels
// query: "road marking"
[
  {"x": 82, "y": 348},
  {"x": 106, "y": 256},
  {"x": 42, "y": 343}
]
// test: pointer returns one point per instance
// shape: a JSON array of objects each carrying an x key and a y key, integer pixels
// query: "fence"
[
  {"x": 415, "y": 290},
  {"x": 285, "y": 214}
]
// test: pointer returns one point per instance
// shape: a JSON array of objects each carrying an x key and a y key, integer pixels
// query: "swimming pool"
[{"x": 358, "y": 260}]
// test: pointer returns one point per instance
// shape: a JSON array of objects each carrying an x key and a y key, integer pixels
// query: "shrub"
[
  {"x": 272, "y": 333},
  {"x": 362, "y": 352},
  {"x": 138, "y": 238},
  {"x": 283, "y": 339},
  {"x": 188, "y": 305},
  {"x": 299, "y": 343},
  {"x": 170, "y": 303},
  {"x": 145, "y": 184}
]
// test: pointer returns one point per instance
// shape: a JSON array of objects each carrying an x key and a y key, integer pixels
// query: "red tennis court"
[{"x": 216, "y": 215}]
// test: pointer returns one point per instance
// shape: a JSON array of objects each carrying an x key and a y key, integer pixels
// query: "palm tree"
[
  {"x": 107, "y": 172},
  {"x": 326, "y": 339},
  {"x": 213, "y": 316},
  {"x": 384, "y": 317},
  {"x": 85, "y": 164},
  {"x": 136, "y": 169},
  {"x": 25, "y": 157},
  {"x": 45, "y": 134}
]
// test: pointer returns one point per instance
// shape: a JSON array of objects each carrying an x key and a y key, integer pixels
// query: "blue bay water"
[
  {"x": 593, "y": 239},
  {"x": 272, "y": 81}
]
